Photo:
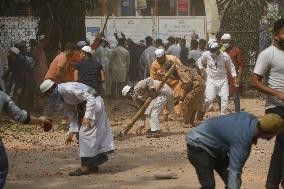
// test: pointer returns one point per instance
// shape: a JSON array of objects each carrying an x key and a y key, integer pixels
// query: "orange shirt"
[
  {"x": 156, "y": 67},
  {"x": 60, "y": 61}
]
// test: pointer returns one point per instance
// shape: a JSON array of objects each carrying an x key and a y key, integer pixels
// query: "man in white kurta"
[
  {"x": 102, "y": 55},
  {"x": 119, "y": 67},
  {"x": 141, "y": 92},
  {"x": 218, "y": 63},
  {"x": 95, "y": 134}
]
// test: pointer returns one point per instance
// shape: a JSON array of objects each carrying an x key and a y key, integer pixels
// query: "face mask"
[
  {"x": 281, "y": 44},
  {"x": 226, "y": 45}
]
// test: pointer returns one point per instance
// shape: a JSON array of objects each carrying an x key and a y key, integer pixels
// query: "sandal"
[{"x": 79, "y": 172}]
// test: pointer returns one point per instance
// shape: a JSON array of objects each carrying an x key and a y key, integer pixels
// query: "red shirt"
[{"x": 237, "y": 59}]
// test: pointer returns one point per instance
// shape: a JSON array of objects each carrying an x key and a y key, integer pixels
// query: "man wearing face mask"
[
  {"x": 237, "y": 59},
  {"x": 270, "y": 67},
  {"x": 218, "y": 63}
]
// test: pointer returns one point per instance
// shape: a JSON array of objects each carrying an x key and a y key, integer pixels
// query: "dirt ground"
[{"x": 41, "y": 160}]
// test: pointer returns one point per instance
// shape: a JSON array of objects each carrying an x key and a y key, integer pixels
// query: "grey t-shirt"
[{"x": 270, "y": 65}]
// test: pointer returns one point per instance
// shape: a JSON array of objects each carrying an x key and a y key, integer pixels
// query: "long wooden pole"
[{"x": 148, "y": 101}]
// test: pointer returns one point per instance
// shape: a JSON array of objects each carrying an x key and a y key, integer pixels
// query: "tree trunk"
[{"x": 65, "y": 20}]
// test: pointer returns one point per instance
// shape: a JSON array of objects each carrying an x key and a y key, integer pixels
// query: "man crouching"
[
  {"x": 141, "y": 92},
  {"x": 95, "y": 134}
]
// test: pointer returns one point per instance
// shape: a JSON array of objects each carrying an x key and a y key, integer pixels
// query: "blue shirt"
[
  {"x": 234, "y": 134},
  {"x": 8, "y": 106}
]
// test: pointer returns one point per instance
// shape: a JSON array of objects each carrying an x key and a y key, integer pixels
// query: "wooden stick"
[{"x": 148, "y": 101}]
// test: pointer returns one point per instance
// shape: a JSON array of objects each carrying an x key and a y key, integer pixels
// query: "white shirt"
[
  {"x": 217, "y": 67},
  {"x": 174, "y": 50},
  {"x": 98, "y": 138}
]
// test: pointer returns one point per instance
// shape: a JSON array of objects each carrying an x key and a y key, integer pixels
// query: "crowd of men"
[{"x": 82, "y": 74}]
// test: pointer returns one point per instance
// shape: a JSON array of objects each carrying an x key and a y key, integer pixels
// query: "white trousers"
[
  {"x": 157, "y": 108},
  {"x": 214, "y": 88}
]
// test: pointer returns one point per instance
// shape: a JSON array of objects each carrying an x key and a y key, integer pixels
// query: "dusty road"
[{"x": 42, "y": 161}]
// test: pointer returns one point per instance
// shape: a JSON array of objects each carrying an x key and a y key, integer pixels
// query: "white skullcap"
[
  {"x": 213, "y": 45},
  {"x": 46, "y": 85},
  {"x": 87, "y": 49},
  {"x": 15, "y": 50},
  {"x": 226, "y": 36},
  {"x": 159, "y": 53},
  {"x": 125, "y": 90},
  {"x": 41, "y": 37},
  {"x": 81, "y": 43}
]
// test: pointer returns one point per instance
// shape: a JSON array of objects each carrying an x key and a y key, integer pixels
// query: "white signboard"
[
  {"x": 133, "y": 27},
  {"x": 182, "y": 27},
  {"x": 93, "y": 27},
  {"x": 138, "y": 28}
]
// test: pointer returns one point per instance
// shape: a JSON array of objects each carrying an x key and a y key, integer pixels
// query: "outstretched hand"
[{"x": 69, "y": 139}]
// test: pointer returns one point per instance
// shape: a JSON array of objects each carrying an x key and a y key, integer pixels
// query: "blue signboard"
[{"x": 93, "y": 29}]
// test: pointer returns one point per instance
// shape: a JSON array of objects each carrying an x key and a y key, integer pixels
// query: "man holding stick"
[{"x": 141, "y": 92}]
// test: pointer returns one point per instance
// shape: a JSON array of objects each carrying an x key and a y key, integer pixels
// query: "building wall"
[{"x": 149, "y": 8}]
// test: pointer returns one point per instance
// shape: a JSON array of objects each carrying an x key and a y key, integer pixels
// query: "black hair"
[
  {"x": 149, "y": 40},
  {"x": 202, "y": 41},
  {"x": 171, "y": 39},
  {"x": 183, "y": 40},
  {"x": 121, "y": 41},
  {"x": 159, "y": 41},
  {"x": 54, "y": 86},
  {"x": 278, "y": 25},
  {"x": 193, "y": 43},
  {"x": 70, "y": 47}
]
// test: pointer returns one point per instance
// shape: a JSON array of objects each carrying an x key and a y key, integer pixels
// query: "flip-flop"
[{"x": 79, "y": 172}]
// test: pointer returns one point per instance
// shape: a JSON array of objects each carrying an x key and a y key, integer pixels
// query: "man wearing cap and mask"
[
  {"x": 95, "y": 134},
  {"x": 268, "y": 78},
  {"x": 141, "y": 92},
  {"x": 158, "y": 72},
  {"x": 224, "y": 143},
  {"x": 218, "y": 64},
  {"x": 88, "y": 71},
  {"x": 237, "y": 59}
]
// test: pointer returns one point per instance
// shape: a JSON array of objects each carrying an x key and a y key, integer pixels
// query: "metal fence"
[{"x": 16, "y": 28}]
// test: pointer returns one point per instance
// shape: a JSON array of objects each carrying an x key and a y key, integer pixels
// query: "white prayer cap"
[
  {"x": 15, "y": 50},
  {"x": 81, "y": 43},
  {"x": 159, "y": 53},
  {"x": 226, "y": 36},
  {"x": 125, "y": 90},
  {"x": 87, "y": 49},
  {"x": 213, "y": 45},
  {"x": 46, "y": 85},
  {"x": 41, "y": 37}
]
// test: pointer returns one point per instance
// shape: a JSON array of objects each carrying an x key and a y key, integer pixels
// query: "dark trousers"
[
  {"x": 94, "y": 161},
  {"x": 3, "y": 165},
  {"x": 276, "y": 169},
  {"x": 205, "y": 165}
]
